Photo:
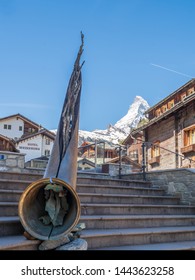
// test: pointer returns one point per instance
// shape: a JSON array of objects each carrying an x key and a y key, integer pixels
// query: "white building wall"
[
  {"x": 47, "y": 145},
  {"x": 34, "y": 147},
  {"x": 15, "y": 125},
  {"x": 31, "y": 147}
]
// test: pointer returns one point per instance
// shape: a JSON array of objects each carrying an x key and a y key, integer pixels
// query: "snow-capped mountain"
[
  {"x": 121, "y": 129},
  {"x": 134, "y": 115}
]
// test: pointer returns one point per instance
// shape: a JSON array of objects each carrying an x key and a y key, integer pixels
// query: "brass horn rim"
[{"x": 38, "y": 184}]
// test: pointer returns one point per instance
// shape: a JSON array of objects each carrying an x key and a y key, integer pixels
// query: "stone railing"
[{"x": 10, "y": 161}]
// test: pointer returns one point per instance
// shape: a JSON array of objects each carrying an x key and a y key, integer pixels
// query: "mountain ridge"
[{"x": 121, "y": 129}]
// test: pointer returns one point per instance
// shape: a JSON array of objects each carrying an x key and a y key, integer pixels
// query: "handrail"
[
  {"x": 155, "y": 145},
  {"x": 145, "y": 143}
]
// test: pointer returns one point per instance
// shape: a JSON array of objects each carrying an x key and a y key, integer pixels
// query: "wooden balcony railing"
[
  {"x": 154, "y": 160},
  {"x": 188, "y": 149}
]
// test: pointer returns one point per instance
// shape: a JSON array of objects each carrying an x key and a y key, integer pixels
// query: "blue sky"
[{"x": 132, "y": 47}]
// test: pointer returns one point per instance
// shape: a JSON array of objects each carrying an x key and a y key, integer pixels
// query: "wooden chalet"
[
  {"x": 25, "y": 136},
  {"x": 170, "y": 132},
  {"x": 6, "y": 144},
  {"x": 134, "y": 146},
  {"x": 104, "y": 150},
  {"x": 16, "y": 126},
  {"x": 36, "y": 144}
]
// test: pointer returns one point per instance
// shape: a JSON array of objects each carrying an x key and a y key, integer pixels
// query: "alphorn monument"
[{"x": 49, "y": 208}]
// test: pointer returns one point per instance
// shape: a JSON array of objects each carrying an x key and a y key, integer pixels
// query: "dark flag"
[{"x": 63, "y": 160}]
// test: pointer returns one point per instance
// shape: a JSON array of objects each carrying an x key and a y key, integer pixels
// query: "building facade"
[
  {"x": 22, "y": 135},
  {"x": 134, "y": 146},
  {"x": 16, "y": 126},
  {"x": 170, "y": 133},
  {"x": 36, "y": 145}
]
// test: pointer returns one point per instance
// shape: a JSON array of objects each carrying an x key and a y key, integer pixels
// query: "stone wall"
[
  {"x": 10, "y": 161},
  {"x": 178, "y": 182},
  {"x": 113, "y": 169}
]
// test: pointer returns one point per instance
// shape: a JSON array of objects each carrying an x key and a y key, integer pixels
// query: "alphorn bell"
[{"x": 49, "y": 208}]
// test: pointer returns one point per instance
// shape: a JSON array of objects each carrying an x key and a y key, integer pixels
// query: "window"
[
  {"x": 183, "y": 96},
  {"x": 171, "y": 104},
  {"x": 47, "y": 153},
  {"x": 189, "y": 136},
  {"x": 191, "y": 90},
  {"x": 133, "y": 155},
  {"x": 47, "y": 141},
  {"x": 189, "y": 140},
  {"x": 20, "y": 128},
  {"x": 7, "y": 126},
  {"x": 155, "y": 154},
  {"x": 30, "y": 129},
  {"x": 158, "y": 112},
  {"x": 164, "y": 108},
  {"x": 155, "y": 150}
]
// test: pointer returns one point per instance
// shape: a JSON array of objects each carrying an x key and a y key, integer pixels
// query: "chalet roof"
[
  {"x": 127, "y": 158},
  {"x": 84, "y": 160},
  {"x": 22, "y": 118},
  {"x": 5, "y": 138},
  {"x": 9, "y": 140},
  {"x": 85, "y": 143},
  {"x": 44, "y": 131},
  {"x": 175, "y": 108},
  {"x": 191, "y": 82},
  {"x": 130, "y": 137},
  {"x": 41, "y": 158}
]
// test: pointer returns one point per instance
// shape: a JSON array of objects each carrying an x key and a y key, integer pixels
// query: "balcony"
[
  {"x": 154, "y": 160},
  {"x": 188, "y": 149}
]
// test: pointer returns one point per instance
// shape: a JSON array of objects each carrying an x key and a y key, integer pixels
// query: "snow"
[
  {"x": 114, "y": 134},
  {"x": 121, "y": 129}
]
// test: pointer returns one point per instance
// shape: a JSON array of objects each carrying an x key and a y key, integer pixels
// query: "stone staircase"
[{"x": 118, "y": 214}]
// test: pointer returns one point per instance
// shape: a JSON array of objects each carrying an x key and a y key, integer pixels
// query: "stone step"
[
  {"x": 171, "y": 246},
  {"x": 10, "y": 184},
  {"x": 121, "y": 199},
  {"x": 115, "y": 189},
  {"x": 11, "y": 209},
  {"x": 98, "y": 180},
  {"x": 10, "y": 225},
  {"x": 8, "y": 209},
  {"x": 18, "y": 242},
  {"x": 138, "y": 221},
  {"x": 110, "y": 185},
  {"x": 20, "y": 176},
  {"x": 98, "y": 239},
  {"x": 135, "y": 209},
  {"x": 113, "y": 182},
  {"x": 10, "y": 195},
  {"x": 14, "y": 195},
  {"x": 85, "y": 174}
]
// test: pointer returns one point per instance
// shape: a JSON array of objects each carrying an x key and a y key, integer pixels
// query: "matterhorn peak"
[
  {"x": 134, "y": 115},
  {"x": 118, "y": 132},
  {"x": 138, "y": 100}
]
